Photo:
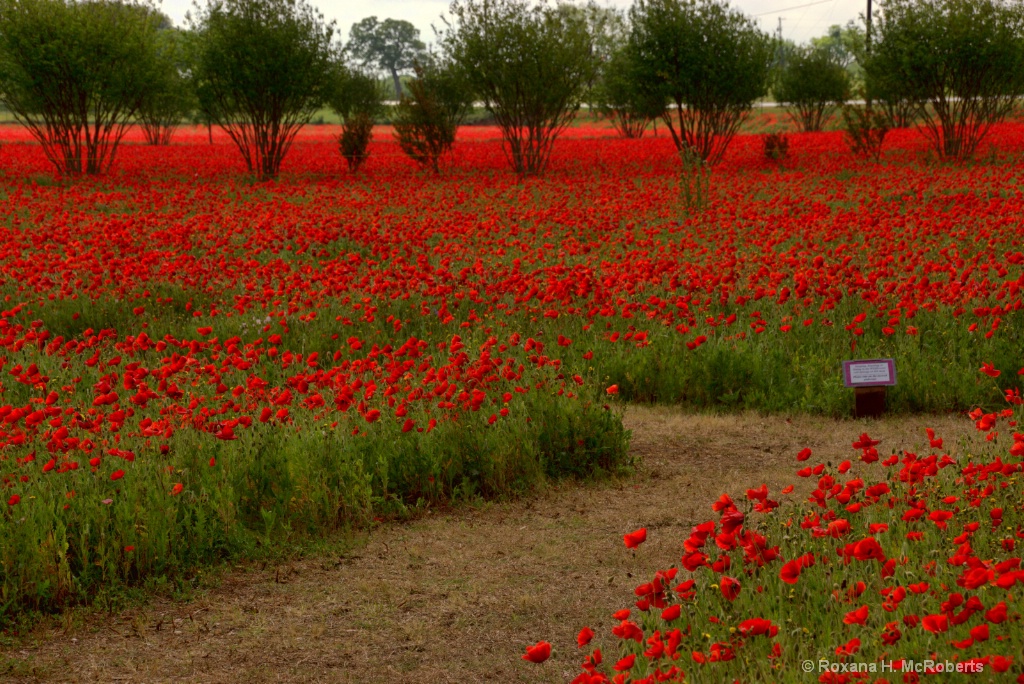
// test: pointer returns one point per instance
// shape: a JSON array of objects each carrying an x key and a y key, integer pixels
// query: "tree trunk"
[{"x": 398, "y": 84}]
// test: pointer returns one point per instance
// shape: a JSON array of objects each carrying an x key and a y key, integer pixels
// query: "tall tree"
[
  {"x": 262, "y": 69},
  {"x": 171, "y": 98},
  {"x": 812, "y": 85},
  {"x": 427, "y": 119},
  {"x": 75, "y": 74},
  {"x": 357, "y": 99},
  {"x": 710, "y": 61},
  {"x": 530, "y": 63},
  {"x": 392, "y": 45},
  {"x": 961, "y": 61}
]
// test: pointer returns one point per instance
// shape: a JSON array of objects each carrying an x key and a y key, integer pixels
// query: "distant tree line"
[{"x": 78, "y": 73}]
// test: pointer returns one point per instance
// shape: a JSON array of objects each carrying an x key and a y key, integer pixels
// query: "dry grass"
[{"x": 456, "y": 597}]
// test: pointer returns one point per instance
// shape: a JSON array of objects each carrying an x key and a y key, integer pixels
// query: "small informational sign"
[{"x": 869, "y": 373}]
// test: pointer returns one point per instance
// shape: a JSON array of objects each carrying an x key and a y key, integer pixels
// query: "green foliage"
[
  {"x": 262, "y": 69},
  {"x": 76, "y": 73},
  {"x": 812, "y": 85},
  {"x": 171, "y": 99},
  {"x": 898, "y": 103},
  {"x": 531, "y": 64},
  {"x": 393, "y": 45},
  {"x": 628, "y": 102},
  {"x": 845, "y": 45},
  {"x": 961, "y": 62},
  {"x": 866, "y": 128},
  {"x": 358, "y": 99},
  {"x": 426, "y": 121},
  {"x": 82, "y": 533},
  {"x": 711, "y": 62}
]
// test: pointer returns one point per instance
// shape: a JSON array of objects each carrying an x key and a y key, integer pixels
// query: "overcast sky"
[{"x": 801, "y": 19}]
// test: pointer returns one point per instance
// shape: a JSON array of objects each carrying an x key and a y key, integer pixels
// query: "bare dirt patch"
[{"x": 456, "y": 597}]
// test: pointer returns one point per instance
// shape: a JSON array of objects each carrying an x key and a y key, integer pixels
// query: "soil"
[{"x": 456, "y": 596}]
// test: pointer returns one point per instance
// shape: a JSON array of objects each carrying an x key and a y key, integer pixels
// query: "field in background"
[{"x": 197, "y": 367}]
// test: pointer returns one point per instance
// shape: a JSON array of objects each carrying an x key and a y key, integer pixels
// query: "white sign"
[{"x": 869, "y": 372}]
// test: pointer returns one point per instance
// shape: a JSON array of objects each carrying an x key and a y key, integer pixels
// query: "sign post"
[{"x": 869, "y": 378}]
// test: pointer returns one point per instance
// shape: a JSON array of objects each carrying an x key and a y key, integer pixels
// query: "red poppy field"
[
  {"x": 878, "y": 577},
  {"x": 197, "y": 367}
]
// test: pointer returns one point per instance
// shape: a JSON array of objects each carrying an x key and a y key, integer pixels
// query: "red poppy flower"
[
  {"x": 730, "y": 588},
  {"x": 790, "y": 572},
  {"x": 856, "y": 617},
  {"x": 538, "y": 653},
  {"x": 997, "y": 614},
  {"x": 757, "y": 626},
  {"x": 935, "y": 623},
  {"x": 626, "y": 664},
  {"x": 584, "y": 637},
  {"x": 989, "y": 370},
  {"x": 865, "y": 442},
  {"x": 635, "y": 539}
]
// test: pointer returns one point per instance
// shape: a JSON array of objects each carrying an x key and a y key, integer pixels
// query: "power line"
[{"x": 795, "y": 7}]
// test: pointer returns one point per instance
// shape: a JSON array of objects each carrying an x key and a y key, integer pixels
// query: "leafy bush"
[
  {"x": 709, "y": 61},
  {"x": 900, "y": 106},
  {"x": 866, "y": 129},
  {"x": 76, "y": 73},
  {"x": 776, "y": 146},
  {"x": 171, "y": 98},
  {"x": 358, "y": 99},
  {"x": 624, "y": 99},
  {"x": 964, "y": 59},
  {"x": 427, "y": 120},
  {"x": 262, "y": 69},
  {"x": 695, "y": 181},
  {"x": 531, "y": 65},
  {"x": 812, "y": 85}
]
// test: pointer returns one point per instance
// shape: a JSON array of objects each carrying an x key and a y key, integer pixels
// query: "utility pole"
[
  {"x": 867, "y": 37},
  {"x": 780, "y": 49},
  {"x": 867, "y": 49}
]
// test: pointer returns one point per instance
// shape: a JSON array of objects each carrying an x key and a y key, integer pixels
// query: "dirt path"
[{"x": 457, "y": 597}]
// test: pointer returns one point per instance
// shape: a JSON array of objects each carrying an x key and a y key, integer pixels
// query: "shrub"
[
  {"x": 262, "y": 69},
  {"x": 865, "y": 130},
  {"x": 812, "y": 85},
  {"x": 899, "y": 106},
  {"x": 357, "y": 99},
  {"x": 531, "y": 65},
  {"x": 171, "y": 98},
  {"x": 624, "y": 99},
  {"x": 695, "y": 181},
  {"x": 776, "y": 146},
  {"x": 964, "y": 59},
  {"x": 711, "y": 62},
  {"x": 76, "y": 73},
  {"x": 427, "y": 119}
]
